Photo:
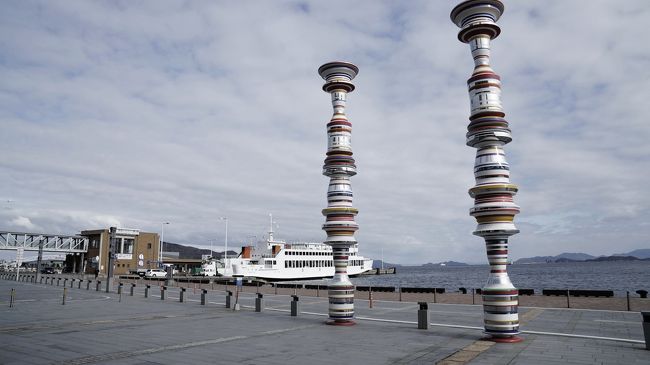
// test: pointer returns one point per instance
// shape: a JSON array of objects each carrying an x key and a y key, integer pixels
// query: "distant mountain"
[
  {"x": 577, "y": 256},
  {"x": 189, "y": 252},
  {"x": 535, "y": 260},
  {"x": 643, "y": 253},
  {"x": 446, "y": 263},
  {"x": 639, "y": 254},
  {"x": 615, "y": 258}
]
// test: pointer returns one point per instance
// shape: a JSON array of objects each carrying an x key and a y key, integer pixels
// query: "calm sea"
[{"x": 617, "y": 276}]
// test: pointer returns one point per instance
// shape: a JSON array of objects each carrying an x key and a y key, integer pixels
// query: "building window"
[{"x": 149, "y": 246}]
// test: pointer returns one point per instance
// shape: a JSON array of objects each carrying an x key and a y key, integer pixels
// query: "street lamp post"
[
  {"x": 226, "y": 243},
  {"x": 162, "y": 241}
]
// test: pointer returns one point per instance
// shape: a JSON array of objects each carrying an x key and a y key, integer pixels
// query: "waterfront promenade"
[{"x": 99, "y": 327}]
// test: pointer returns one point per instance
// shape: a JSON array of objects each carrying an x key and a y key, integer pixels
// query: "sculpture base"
[
  {"x": 511, "y": 339},
  {"x": 332, "y": 322}
]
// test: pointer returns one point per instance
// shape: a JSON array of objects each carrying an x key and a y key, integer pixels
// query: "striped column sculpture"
[
  {"x": 339, "y": 167},
  {"x": 494, "y": 208}
]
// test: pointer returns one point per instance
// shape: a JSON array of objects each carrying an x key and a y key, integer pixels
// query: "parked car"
[
  {"x": 155, "y": 273},
  {"x": 47, "y": 270}
]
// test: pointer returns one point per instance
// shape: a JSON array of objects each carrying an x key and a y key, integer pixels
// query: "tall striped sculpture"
[
  {"x": 494, "y": 208},
  {"x": 339, "y": 167}
]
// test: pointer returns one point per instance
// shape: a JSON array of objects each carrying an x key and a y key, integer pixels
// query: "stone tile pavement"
[{"x": 99, "y": 327}]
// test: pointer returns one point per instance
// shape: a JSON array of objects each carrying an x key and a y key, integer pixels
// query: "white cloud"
[
  {"x": 22, "y": 222},
  {"x": 140, "y": 113}
]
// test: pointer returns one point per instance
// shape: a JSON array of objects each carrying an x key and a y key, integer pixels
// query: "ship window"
[{"x": 286, "y": 264}]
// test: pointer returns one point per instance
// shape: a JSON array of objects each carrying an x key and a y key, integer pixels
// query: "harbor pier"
[{"x": 96, "y": 327}]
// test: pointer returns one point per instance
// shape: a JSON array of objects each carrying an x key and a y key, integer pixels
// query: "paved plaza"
[{"x": 107, "y": 328}]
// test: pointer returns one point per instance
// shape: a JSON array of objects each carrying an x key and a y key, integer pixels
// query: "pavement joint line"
[
  {"x": 530, "y": 315},
  {"x": 584, "y": 336},
  {"x": 182, "y": 346},
  {"x": 37, "y": 326},
  {"x": 612, "y": 321},
  {"x": 467, "y": 353},
  {"x": 481, "y": 328}
]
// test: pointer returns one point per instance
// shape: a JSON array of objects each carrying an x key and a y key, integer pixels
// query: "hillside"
[{"x": 639, "y": 254}]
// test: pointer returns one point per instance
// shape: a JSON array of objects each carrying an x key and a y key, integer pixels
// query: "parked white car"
[{"x": 155, "y": 273}]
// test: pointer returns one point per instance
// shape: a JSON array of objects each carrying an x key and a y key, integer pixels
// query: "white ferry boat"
[{"x": 278, "y": 260}]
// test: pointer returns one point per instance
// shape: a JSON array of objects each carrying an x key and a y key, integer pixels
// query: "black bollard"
[
  {"x": 132, "y": 289},
  {"x": 163, "y": 289},
  {"x": 228, "y": 297},
  {"x": 12, "y": 298},
  {"x": 259, "y": 302},
  {"x": 88, "y": 284},
  {"x": 99, "y": 283},
  {"x": 79, "y": 285},
  {"x": 295, "y": 309},
  {"x": 65, "y": 291},
  {"x": 203, "y": 293},
  {"x": 423, "y": 316},
  {"x": 181, "y": 297},
  {"x": 146, "y": 291},
  {"x": 72, "y": 283}
]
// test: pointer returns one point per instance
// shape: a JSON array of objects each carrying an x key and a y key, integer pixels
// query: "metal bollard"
[
  {"x": 132, "y": 289},
  {"x": 65, "y": 282},
  {"x": 119, "y": 288},
  {"x": 294, "y": 306},
  {"x": 423, "y": 316},
  {"x": 88, "y": 284},
  {"x": 79, "y": 285},
  {"x": 163, "y": 289},
  {"x": 72, "y": 283},
  {"x": 65, "y": 291},
  {"x": 99, "y": 283},
  {"x": 181, "y": 297},
  {"x": 146, "y": 291},
  {"x": 259, "y": 302},
  {"x": 370, "y": 297},
  {"x": 13, "y": 298},
  {"x": 203, "y": 293},
  {"x": 646, "y": 328},
  {"x": 58, "y": 281},
  {"x": 228, "y": 297}
]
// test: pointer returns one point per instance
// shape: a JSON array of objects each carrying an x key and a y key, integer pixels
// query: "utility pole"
[
  {"x": 39, "y": 260},
  {"x": 111, "y": 255}
]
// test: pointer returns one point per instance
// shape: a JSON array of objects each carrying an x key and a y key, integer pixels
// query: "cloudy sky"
[{"x": 136, "y": 113}]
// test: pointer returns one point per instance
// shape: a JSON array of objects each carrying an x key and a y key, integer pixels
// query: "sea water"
[{"x": 618, "y": 276}]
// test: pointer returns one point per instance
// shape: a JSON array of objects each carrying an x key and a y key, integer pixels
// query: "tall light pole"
[
  {"x": 225, "y": 260},
  {"x": 162, "y": 242}
]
